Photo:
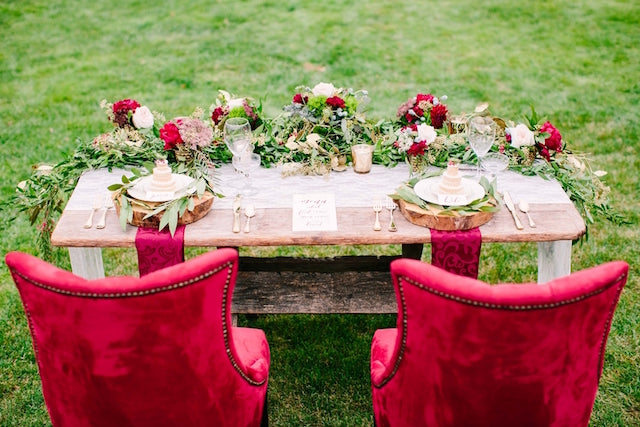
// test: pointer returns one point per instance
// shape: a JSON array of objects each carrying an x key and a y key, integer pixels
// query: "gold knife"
[
  {"x": 236, "y": 214},
  {"x": 512, "y": 209}
]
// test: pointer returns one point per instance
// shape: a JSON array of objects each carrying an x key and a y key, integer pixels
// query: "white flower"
[
  {"x": 142, "y": 118},
  {"x": 600, "y": 173},
  {"x": 426, "y": 133},
  {"x": 521, "y": 136},
  {"x": 235, "y": 102},
  {"x": 324, "y": 89},
  {"x": 405, "y": 139}
]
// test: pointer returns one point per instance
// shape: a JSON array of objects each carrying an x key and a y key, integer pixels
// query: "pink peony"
[
  {"x": 554, "y": 141},
  {"x": 424, "y": 97},
  {"x": 170, "y": 135}
]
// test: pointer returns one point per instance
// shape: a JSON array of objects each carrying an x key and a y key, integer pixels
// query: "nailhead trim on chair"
[
  {"x": 225, "y": 333},
  {"x": 126, "y": 294},
  {"x": 172, "y": 286},
  {"x": 496, "y": 306}
]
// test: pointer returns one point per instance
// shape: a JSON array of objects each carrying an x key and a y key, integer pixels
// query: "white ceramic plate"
[
  {"x": 141, "y": 191},
  {"x": 427, "y": 190}
]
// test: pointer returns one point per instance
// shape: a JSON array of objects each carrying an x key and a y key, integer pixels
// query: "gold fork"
[
  {"x": 377, "y": 208},
  {"x": 391, "y": 206}
]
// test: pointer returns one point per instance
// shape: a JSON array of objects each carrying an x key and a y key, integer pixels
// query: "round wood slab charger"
[
  {"x": 424, "y": 218},
  {"x": 200, "y": 209}
]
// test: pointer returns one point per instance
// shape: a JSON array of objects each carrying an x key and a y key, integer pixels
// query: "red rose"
[
  {"x": 336, "y": 102},
  {"x": 217, "y": 114},
  {"x": 125, "y": 105},
  {"x": 424, "y": 97},
  {"x": 170, "y": 135},
  {"x": 554, "y": 141},
  {"x": 299, "y": 99},
  {"x": 438, "y": 115},
  {"x": 417, "y": 149},
  {"x": 121, "y": 111}
]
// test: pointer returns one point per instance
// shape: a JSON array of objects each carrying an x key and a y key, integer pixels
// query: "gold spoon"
[
  {"x": 524, "y": 207},
  {"x": 249, "y": 212}
]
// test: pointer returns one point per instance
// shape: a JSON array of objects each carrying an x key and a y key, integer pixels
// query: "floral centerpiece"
[
  {"x": 188, "y": 143},
  {"x": 318, "y": 128},
  {"x": 421, "y": 134}
]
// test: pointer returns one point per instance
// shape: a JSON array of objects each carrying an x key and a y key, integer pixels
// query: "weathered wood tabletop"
[{"x": 339, "y": 285}]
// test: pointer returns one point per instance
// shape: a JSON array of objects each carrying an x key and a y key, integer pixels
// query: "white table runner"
[{"x": 351, "y": 189}]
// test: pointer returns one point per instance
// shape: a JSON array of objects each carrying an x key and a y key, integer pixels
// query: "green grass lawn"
[{"x": 578, "y": 62}]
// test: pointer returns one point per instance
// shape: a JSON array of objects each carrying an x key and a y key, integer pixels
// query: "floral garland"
[{"x": 313, "y": 135}]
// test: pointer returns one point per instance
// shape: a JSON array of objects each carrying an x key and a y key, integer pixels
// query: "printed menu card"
[{"x": 314, "y": 212}]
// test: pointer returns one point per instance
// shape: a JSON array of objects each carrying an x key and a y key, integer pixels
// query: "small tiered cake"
[
  {"x": 451, "y": 181},
  {"x": 162, "y": 181}
]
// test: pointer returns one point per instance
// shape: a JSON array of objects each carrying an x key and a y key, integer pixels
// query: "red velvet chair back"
[
  {"x": 151, "y": 351},
  {"x": 465, "y": 353}
]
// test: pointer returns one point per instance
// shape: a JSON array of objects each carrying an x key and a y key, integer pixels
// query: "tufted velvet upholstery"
[
  {"x": 153, "y": 351},
  {"x": 465, "y": 353}
]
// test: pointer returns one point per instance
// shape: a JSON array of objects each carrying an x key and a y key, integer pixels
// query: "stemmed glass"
[
  {"x": 481, "y": 132},
  {"x": 247, "y": 163},
  {"x": 237, "y": 137}
]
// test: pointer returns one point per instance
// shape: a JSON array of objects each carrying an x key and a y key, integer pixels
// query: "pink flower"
[
  {"x": 248, "y": 110},
  {"x": 336, "y": 102},
  {"x": 170, "y": 135},
  {"x": 554, "y": 141},
  {"x": 299, "y": 99},
  {"x": 438, "y": 115},
  {"x": 194, "y": 132},
  {"x": 424, "y": 97},
  {"x": 121, "y": 111}
]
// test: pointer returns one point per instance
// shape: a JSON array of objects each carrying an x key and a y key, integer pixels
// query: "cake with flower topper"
[
  {"x": 451, "y": 182},
  {"x": 161, "y": 179}
]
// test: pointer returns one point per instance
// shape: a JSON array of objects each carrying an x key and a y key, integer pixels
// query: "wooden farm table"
[{"x": 359, "y": 284}]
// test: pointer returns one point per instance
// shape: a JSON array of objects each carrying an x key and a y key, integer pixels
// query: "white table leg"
[
  {"x": 87, "y": 262},
  {"x": 554, "y": 260}
]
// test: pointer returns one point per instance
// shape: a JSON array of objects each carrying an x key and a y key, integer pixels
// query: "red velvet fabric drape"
[
  {"x": 153, "y": 351},
  {"x": 465, "y": 353}
]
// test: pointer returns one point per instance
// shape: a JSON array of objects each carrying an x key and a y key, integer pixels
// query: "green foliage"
[{"x": 57, "y": 61}]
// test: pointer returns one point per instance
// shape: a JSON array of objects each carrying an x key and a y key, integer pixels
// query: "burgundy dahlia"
[{"x": 438, "y": 115}]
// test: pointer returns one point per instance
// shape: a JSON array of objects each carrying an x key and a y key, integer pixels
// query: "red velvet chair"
[
  {"x": 465, "y": 353},
  {"x": 153, "y": 351}
]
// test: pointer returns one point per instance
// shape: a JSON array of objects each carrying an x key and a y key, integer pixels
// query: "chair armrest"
[
  {"x": 252, "y": 352},
  {"x": 382, "y": 350}
]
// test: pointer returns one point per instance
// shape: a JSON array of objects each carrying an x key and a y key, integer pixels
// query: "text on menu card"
[{"x": 314, "y": 212}]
